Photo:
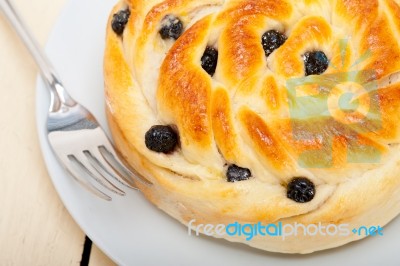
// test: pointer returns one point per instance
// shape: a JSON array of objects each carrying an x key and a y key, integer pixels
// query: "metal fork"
[{"x": 73, "y": 132}]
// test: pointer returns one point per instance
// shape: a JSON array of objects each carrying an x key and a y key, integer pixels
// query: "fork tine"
[
  {"x": 122, "y": 172},
  {"x": 86, "y": 184},
  {"x": 85, "y": 168},
  {"x": 119, "y": 167},
  {"x": 101, "y": 166}
]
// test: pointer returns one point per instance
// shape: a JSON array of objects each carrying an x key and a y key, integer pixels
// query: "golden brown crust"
[
  {"x": 185, "y": 91},
  {"x": 244, "y": 114}
]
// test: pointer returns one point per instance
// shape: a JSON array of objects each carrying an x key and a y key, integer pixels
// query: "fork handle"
[{"x": 58, "y": 95}]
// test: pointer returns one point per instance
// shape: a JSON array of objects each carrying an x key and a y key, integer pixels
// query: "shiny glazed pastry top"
[{"x": 260, "y": 111}]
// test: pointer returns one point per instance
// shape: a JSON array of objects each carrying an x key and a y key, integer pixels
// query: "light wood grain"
[
  {"x": 35, "y": 228},
  {"x": 98, "y": 258}
]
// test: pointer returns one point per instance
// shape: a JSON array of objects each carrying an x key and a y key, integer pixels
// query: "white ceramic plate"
[{"x": 129, "y": 229}]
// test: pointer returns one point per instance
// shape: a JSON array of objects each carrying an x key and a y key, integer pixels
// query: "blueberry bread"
[{"x": 260, "y": 111}]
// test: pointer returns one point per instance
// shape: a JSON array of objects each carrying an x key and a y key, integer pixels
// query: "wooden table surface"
[{"x": 35, "y": 227}]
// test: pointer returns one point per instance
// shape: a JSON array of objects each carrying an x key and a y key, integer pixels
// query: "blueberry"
[
  {"x": 301, "y": 190},
  {"x": 161, "y": 138},
  {"x": 209, "y": 60},
  {"x": 119, "y": 21},
  {"x": 272, "y": 40},
  {"x": 315, "y": 63},
  {"x": 171, "y": 27},
  {"x": 236, "y": 173}
]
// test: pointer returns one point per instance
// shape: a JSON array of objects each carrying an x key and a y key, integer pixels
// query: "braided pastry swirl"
[{"x": 260, "y": 111}]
